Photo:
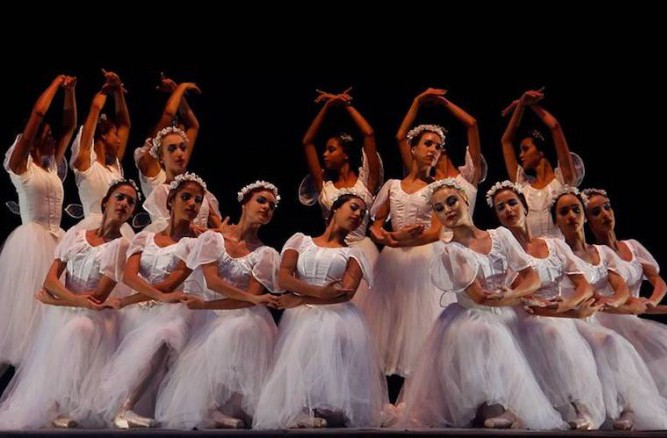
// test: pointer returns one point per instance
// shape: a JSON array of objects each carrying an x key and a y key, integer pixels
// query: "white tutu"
[
  {"x": 25, "y": 259},
  {"x": 562, "y": 363},
  {"x": 402, "y": 306},
  {"x": 223, "y": 368},
  {"x": 471, "y": 358},
  {"x": 649, "y": 339},
  {"x": 324, "y": 360},
  {"x": 626, "y": 381},
  {"x": 144, "y": 330},
  {"x": 61, "y": 369}
]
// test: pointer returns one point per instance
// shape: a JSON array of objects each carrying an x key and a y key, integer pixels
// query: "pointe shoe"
[
  {"x": 308, "y": 422},
  {"x": 64, "y": 422},
  {"x": 506, "y": 420},
  {"x": 625, "y": 422},
  {"x": 129, "y": 419},
  {"x": 582, "y": 422},
  {"x": 222, "y": 421}
]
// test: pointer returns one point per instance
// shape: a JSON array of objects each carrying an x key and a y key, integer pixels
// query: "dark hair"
[
  {"x": 338, "y": 203},
  {"x": 248, "y": 194},
  {"x": 553, "y": 206},
  {"x": 519, "y": 195},
  {"x": 174, "y": 191},
  {"x": 350, "y": 148},
  {"x": 103, "y": 126},
  {"x": 113, "y": 187},
  {"x": 542, "y": 144}
]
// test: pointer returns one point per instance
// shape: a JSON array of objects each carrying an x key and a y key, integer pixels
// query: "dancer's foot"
[
  {"x": 222, "y": 421},
  {"x": 626, "y": 421},
  {"x": 64, "y": 422},
  {"x": 308, "y": 422},
  {"x": 506, "y": 420},
  {"x": 129, "y": 419},
  {"x": 583, "y": 421}
]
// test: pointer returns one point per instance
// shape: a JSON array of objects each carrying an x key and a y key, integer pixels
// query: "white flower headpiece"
[
  {"x": 127, "y": 181},
  {"x": 258, "y": 185},
  {"x": 447, "y": 182},
  {"x": 349, "y": 191},
  {"x": 502, "y": 185},
  {"x": 157, "y": 141},
  {"x": 568, "y": 190},
  {"x": 187, "y": 176},
  {"x": 589, "y": 193},
  {"x": 346, "y": 138},
  {"x": 414, "y": 132},
  {"x": 537, "y": 134}
]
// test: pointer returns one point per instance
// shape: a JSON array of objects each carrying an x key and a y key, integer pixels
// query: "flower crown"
[
  {"x": 157, "y": 141},
  {"x": 502, "y": 185},
  {"x": 536, "y": 134},
  {"x": 185, "y": 177},
  {"x": 258, "y": 185},
  {"x": 589, "y": 193},
  {"x": 348, "y": 191},
  {"x": 567, "y": 190},
  {"x": 437, "y": 185},
  {"x": 131, "y": 182},
  {"x": 414, "y": 132},
  {"x": 346, "y": 138}
]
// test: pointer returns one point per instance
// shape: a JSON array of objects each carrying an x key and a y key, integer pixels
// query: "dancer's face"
[
  {"x": 121, "y": 204},
  {"x": 350, "y": 215},
  {"x": 174, "y": 153},
  {"x": 111, "y": 141},
  {"x": 46, "y": 143},
  {"x": 569, "y": 214},
  {"x": 509, "y": 209},
  {"x": 600, "y": 214},
  {"x": 260, "y": 207},
  {"x": 529, "y": 154},
  {"x": 334, "y": 155},
  {"x": 427, "y": 152},
  {"x": 450, "y": 207},
  {"x": 187, "y": 201}
]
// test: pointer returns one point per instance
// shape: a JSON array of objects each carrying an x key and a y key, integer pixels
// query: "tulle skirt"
[
  {"x": 470, "y": 358},
  {"x": 222, "y": 368},
  {"x": 144, "y": 331},
  {"x": 371, "y": 253},
  {"x": 402, "y": 306},
  {"x": 60, "y": 372},
  {"x": 25, "y": 259},
  {"x": 563, "y": 364},
  {"x": 324, "y": 361},
  {"x": 649, "y": 339},
  {"x": 626, "y": 381}
]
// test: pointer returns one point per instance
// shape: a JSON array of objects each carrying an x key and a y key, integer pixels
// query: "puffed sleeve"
[
  {"x": 209, "y": 247},
  {"x": 213, "y": 203},
  {"x": 265, "y": 270},
  {"x": 295, "y": 242},
  {"x": 138, "y": 243},
  {"x": 25, "y": 176},
  {"x": 113, "y": 257},
  {"x": 73, "y": 242},
  {"x": 156, "y": 203},
  {"x": 643, "y": 255},
  {"x": 453, "y": 267},
  {"x": 184, "y": 248}
]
